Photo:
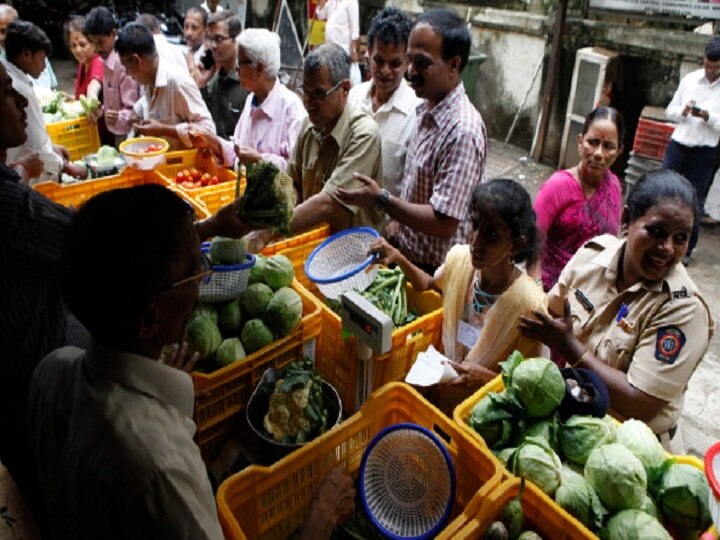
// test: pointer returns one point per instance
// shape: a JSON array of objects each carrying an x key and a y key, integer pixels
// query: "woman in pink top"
[
  {"x": 585, "y": 201},
  {"x": 88, "y": 81}
]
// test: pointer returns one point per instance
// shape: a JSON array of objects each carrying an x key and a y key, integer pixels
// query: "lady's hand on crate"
[
  {"x": 179, "y": 358},
  {"x": 334, "y": 502}
]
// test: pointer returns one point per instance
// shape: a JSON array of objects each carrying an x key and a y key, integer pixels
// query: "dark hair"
[
  {"x": 25, "y": 35},
  {"x": 656, "y": 186},
  {"x": 100, "y": 22},
  {"x": 332, "y": 57},
  {"x": 75, "y": 24},
  {"x": 390, "y": 25},
  {"x": 453, "y": 30},
  {"x": 118, "y": 253},
  {"x": 200, "y": 11},
  {"x": 234, "y": 24},
  {"x": 609, "y": 113},
  {"x": 712, "y": 49},
  {"x": 149, "y": 21},
  {"x": 135, "y": 38},
  {"x": 513, "y": 203}
]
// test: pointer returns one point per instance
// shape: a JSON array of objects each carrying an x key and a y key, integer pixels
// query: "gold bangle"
[{"x": 582, "y": 357}]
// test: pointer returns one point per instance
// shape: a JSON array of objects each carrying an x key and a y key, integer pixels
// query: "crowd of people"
[{"x": 99, "y": 431}]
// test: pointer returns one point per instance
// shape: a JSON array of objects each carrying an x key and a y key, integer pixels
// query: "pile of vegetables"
[
  {"x": 195, "y": 178},
  {"x": 58, "y": 106},
  {"x": 511, "y": 522},
  {"x": 614, "y": 478},
  {"x": 269, "y": 198},
  {"x": 268, "y": 309},
  {"x": 297, "y": 412}
]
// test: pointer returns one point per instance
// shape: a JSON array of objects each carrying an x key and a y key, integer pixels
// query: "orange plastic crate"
[
  {"x": 185, "y": 159},
  {"x": 652, "y": 138},
  {"x": 319, "y": 233},
  {"x": 215, "y": 197},
  {"x": 223, "y": 394},
  {"x": 335, "y": 357},
  {"x": 267, "y": 503},
  {"x": 79, "y": 136}
]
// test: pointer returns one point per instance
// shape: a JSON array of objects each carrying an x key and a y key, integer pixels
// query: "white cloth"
[
  {"x": 343, "y": 22},
  {"x": 112, "y": 433},
  {"x": 691, "y": 130},
  {"x": 396, "y": 120},
  {"x": 38, "y": 139},
  {"x": 171, "y": 52},
  {"x": 205, "y": 6}
]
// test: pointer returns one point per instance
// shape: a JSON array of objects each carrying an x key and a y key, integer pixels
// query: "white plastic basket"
[
  {"x": 137, "y": 156},
  {"x": 227, "y": 282},
  {"x": 407, "y": 482},
  {"x": 342, "y": 263}
]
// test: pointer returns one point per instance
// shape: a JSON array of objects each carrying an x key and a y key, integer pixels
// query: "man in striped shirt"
[{"x": 445, "y": 159}]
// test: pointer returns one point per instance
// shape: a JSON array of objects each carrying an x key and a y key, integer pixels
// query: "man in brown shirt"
[{"x": 336, "y": 140}]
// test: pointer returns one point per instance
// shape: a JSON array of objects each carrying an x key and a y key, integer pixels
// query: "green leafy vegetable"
[
  {"x": 230, "y": 350},
  {"x": 230, "y": 318},
  {"x": 228, "y": 251},
  {"x": 255, "y": 335},
  {"x": 535, "y": 460},
  {"x": 580, "y": 435},
  {"x": 256, "y": 298},
  {"x": 634, "y": 525},
  {"x": 637, "y": 437},
  {"x": 269, "y": 198},
  {"x": 203, "y": 336},
  {"x": 284, "y": 311},
  {"x": 538, "y": 385},
  {"x": 579, "y": 499},
  {"x": 617, "y": 476},
  {"x": 278, "y": 272},
  {"x": 683, "y": 496}
]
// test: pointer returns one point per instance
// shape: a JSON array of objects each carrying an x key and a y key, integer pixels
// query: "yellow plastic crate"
[
  {"x": 223, "y": 394},
  {"x": 185, "y": 159},
  {"x": 74, "y": 195},
  {"x": 319, "y": 233},
  {"x": 264, "y": 503},
  {"x": 335, "y": 356},
  {"x": 215, "y": 197},
  {"x": 79, "y": 136}
]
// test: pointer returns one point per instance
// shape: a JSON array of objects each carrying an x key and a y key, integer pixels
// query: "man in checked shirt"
[{"x": 445, "y": 159}]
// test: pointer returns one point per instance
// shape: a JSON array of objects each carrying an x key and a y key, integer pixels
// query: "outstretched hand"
[
  {"x": 179, "y": 358},
  {"x": 366, "y": 196},
  {"x": 386, "y": 253},
  {"x": 555, "y": 332}
]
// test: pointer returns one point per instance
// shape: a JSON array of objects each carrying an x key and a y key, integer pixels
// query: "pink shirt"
[
  {"x": 272, "y": 128},
  {"x": 567, "y": 219},
  {"x": 83, "y": 77},
  {"x": 120, "y": 92}
]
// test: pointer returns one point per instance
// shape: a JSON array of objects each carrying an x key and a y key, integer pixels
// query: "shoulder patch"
[{"x": 669, "y": 343}]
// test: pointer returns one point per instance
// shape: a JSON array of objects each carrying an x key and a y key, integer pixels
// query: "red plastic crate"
[{"x": 652, "y": 138}]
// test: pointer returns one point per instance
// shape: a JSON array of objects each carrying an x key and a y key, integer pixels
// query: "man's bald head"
[{"x": 7, "y": 15}]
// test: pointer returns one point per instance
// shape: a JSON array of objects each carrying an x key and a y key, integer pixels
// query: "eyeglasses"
[
  {"x": 319, "y": 95},
  {"x": 242, "y": 63},
  {"x": 203, "y": 276},
  {"x": 217, "y": 40}
]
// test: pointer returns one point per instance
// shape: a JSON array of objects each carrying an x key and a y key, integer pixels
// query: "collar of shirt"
[
  {"x": 270, "y": 103},
  {"x": 704, "y": 80},
  {"x": 341, "y": 127},
  {"x": 145, "y": 375},
  {"x": 446, "y": 108},
  {"x": 233, "y": 76},
  {"x": 17, "y": 73},
  {"x": 112, "y": 62},
  {"x": 402, "y": 98}
]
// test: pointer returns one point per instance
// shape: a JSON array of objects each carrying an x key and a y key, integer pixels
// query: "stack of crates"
[{"x": 652, "y": 138}]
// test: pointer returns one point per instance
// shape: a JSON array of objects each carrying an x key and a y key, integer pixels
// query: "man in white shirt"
[
  {"x": 696, "y": 108},
  {"x": 168, "y": 51},
  {"x": 343, "y": 24},
  {"x": 387, "y": 97}
]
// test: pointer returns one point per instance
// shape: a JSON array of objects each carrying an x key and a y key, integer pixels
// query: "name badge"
[{"x": 467, "y": 334}]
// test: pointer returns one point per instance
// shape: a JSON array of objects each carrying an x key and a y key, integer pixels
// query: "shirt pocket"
[
  {"x": 579, "y": 312},
  {"x": 617, "y": 347}
]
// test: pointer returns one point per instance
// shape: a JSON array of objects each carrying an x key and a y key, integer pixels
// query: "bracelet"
[
  {"x": 584, "y": 355},
  {"x": 383, "y": 199}
]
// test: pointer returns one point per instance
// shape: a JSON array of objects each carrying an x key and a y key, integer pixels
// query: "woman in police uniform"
[{"x": 631, "y": 312}]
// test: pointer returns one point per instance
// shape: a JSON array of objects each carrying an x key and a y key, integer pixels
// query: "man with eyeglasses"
[
  {"x": 335, "y": 142},
  {"x": 225, "y": 96},
  {"x": 171, "y": 106}
]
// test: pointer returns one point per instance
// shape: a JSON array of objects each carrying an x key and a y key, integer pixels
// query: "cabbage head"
[
  {"x": 106, "y": 156},
  {"x": 284, "y": 311},
  {"x": 204, "y": 310},
  {"x": 634, "y": 525},
  {"x": 545, "y": 428},
  {"x": 649, "y": 507},
  {"x": 257, "y": 272},
  {"x": 580, "y": 435},
  {"x": 579, "y": 499},
  {"x": 230, "y": 318},
  {"x": 539, "y": 386},
  {"x": 617, "y": 476},
  {"x": 278, "y": 272},
  {"x": 683, "y": 496},
  {"x": 637, "y": 437},
  {"x": 228, "y": 251},
  {"x": 492, "y": 420},
  {"x": 505, "y": 454},
  {"x": 536, "y": 461},
  {"x": 255, "y": 335},
  {"x": 230, "y": 350},
  {"x": 256, "y": 298},
  {"x": 203, "y": 336}
]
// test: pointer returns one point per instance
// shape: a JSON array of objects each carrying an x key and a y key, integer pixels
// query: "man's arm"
[
  {"x": 315, "y": 210},
  {"x": 190, "y": 105}
]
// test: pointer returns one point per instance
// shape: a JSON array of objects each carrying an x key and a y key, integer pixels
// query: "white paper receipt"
[
  {"x": 467, "y": 334},
  {"x": 430, "y": 368}
]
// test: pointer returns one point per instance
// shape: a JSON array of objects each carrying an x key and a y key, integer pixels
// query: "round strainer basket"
[
  {"x": 227, "y": 282},
  {"x": 341, "y": 263},
  {"x": 137, "y": 156},
  {"x": 407, "y": 482},
  {"x": 712, "y": 471}
]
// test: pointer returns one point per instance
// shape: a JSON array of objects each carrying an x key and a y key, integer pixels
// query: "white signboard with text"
[{"x": 685, "y": 8}]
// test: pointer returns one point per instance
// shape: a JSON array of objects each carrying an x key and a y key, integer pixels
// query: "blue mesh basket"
[{"x": 227, "y": 282}]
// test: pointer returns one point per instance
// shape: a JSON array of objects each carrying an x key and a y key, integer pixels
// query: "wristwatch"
[{"x": 383, "y": 199}]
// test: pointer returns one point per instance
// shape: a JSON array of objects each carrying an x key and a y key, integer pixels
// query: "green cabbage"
[
  {"x": 634, "y": 525},
  {"x": 284, "y": 311},
  {"x": 230, "y": 350},
  {"x": 203, "y": 310},
  {"x": 257, "y": 272},
  {"x": 255, "y": 335},
  {"x": 545, "y": 428},
  {"x": 492, "y": 420},
  {"x": 683, "y": 496},
  {"x": 278, "y": 272},
  {"x": 106, "y": 156},
  {"x": 536, "y": 461},
  {"x": 538, "y": 385},
  {"x": 228, "y": 251},
  {"x": 579, "y": 499},
  {"x": 203, "y": 337},
  {"x": 649, "y": 507},
  {"x": 505, "y": 454},
  {"x": 617, "y": 476},
  {"x": 580, "y": 435},
  {"x": 230, "y": 318},
  {"x": 256, "y": 298},
  {"x": 637, "y": 437}
]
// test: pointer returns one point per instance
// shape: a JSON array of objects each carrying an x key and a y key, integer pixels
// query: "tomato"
[
  {"x": 195, "y": 174},
  {"x": 180, "y": 177},
  {"x": 205, "y": 179},
  {"x": 213, "y": 181}
]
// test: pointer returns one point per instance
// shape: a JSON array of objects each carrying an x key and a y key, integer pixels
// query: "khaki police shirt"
[
  {"x": 323, "y": 164},
  {"x": 668, "y": 328}
]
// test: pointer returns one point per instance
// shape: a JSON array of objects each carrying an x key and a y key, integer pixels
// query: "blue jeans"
[{"x": 696, "y": 164}]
